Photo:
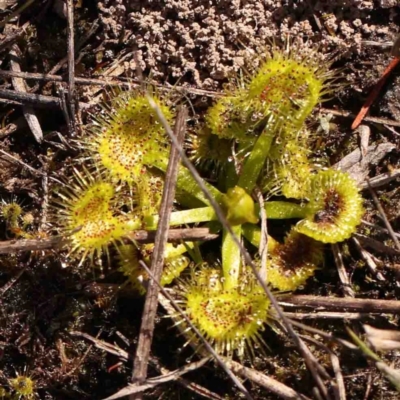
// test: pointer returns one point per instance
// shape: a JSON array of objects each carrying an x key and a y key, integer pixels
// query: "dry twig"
[
  {"x": 71, "y": 63},
  {"x": 375, "y": 91},
  {"x": 347, "y": 114},
  {"x": 272, "y": 385},
  {"x": 320, "y": 303},
  {"x": 367, "y": 257},
  {"x": 20, "y": 86},
  {"x": 378, "y": 227},
  {"x": 166, "y": 374},
  {"x": 157, "y": 260},
  {"x": 381, "y": 180},
  {"x": 152, "y": 382},
  {"x": 36, "y": 100},
  {"x": 344, "y": 278},
  {"x": 383, "y": 216},
  {"x": 376, "y": 245},
  {"x": 141, "y": 236}
]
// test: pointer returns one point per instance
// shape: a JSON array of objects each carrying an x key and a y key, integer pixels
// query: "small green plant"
[
  {"x": 23, "y": 386},
  {"x": 17, "y": 221},
  {"x": 255, "y": 135}
]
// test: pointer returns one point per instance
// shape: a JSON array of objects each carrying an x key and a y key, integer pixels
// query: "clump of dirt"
[{"x": 203, "y": 42}]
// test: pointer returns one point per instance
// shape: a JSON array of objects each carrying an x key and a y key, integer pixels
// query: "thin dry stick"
[
  {"x": 374, "y": 93},
  {"x": 341, "y": 390},
  {"x": 327, "y": 315},
  {"x": 37, "y": 100},
  {"x": 263, "y": 247},
  {"x": 18, "y": 11},
  {"x": 71, "y": 62},
  {"x": 141, "y": 236},
  {"x": 157, "y": 261},
  {"x": 21, "y": 163},
  {"x": 382, "y": 179},
  {"x": 152, "y": 382},
  {"x": 383, "y": 215},
  {"x": 338, "y": 386},
  {"x": 124, "y": 355},
  {"x": 11, "y": 282},
  {"x": 78, "y": 46},
  {"x": 392, "y": 130},
  {"x": 369, "y": 386},
  {"x": 347, "y": 114},
  {"x": 19, "y": 85},
  {"x": 327, "y": 336},
  {"x": 320, "y": 303},
  {"x": 378, "y": 227},
  {"x": 344, "y": 278},
  {"x": 376, "y": 245},
  {"x": 368, "y": 259},
  {"x": 13, "y": 37},
  {"x": 274, "y": 386},
  {"x": 45, "y": 202},
  {"x": 101, "y": 344},
  {"x": 308, "y": 357},
  {"x": 106, "y": 81}
]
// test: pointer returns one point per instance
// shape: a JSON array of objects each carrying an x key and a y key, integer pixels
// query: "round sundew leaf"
[
  {"x": 335, "y": 208},
  {"x": 290, "y": 264},
  {"x": 89, "y": 214},
  {"x": 129, "y": 136},
  {"x": 230, "y": 319}
]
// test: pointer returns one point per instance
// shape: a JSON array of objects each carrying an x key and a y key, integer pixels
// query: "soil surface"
[{"x": 49, "y": 304}]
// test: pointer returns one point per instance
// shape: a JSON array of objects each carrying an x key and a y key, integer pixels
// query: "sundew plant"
[{"x": 253, "y": 138}]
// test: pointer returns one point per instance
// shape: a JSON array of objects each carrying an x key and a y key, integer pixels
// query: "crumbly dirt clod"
[{"x": 202, "y": 42}]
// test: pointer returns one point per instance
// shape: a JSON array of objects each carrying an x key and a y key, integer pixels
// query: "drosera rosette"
[
  {"x": 291, "y": 263},
  {"x": 335, "y": 207},
  {"x": 18, "y": 222},
  {"x": 23, "y": 386},
  {"x": 127, "y": 135},
  {"x": 89, "y": 212},
  {"x": 11, "y": 213}
]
